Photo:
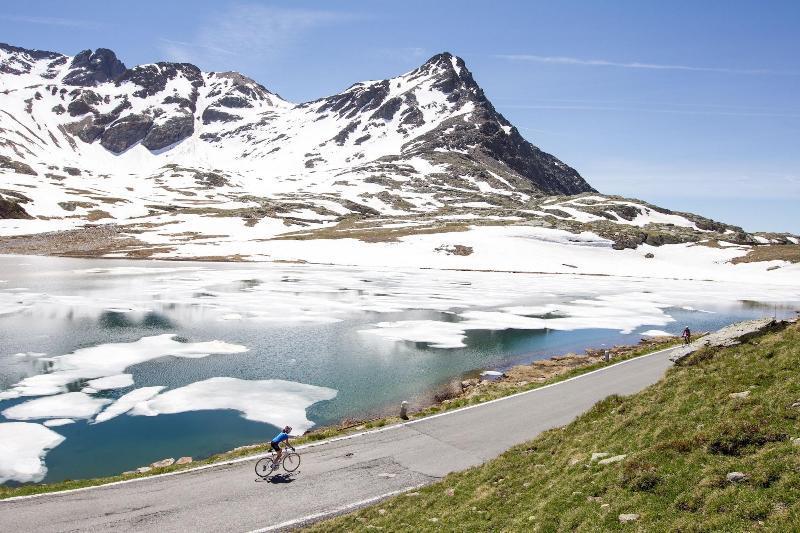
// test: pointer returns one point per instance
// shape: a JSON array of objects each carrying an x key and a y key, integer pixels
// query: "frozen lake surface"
[{"x": 107, "y": 365}]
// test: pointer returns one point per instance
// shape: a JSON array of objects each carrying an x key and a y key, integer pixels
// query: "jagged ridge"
[{"x": 437, "y": 107}]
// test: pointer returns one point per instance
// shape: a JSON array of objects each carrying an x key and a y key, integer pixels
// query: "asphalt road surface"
[{"x": 335, "y": 476}]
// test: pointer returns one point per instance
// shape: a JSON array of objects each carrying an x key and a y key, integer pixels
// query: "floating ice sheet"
[
  {"x": 117, "y": 381},
  {"x": 271, "y": 401},
  {"x": 126, "y": 402},
  {"x": 655, "y": 333},
  {"x": 108, "y": 361},
  {"x": 623, "y": 312},
  {"x": 67, "y": 405},
  {"x": 55, "y": 422},
  {"x": 23, "y": 447}
]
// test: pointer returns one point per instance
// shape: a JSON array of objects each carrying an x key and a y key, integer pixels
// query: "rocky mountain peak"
[
  {"x": 446, "y": 66},
  {"x": 90, "y": 68},
  {"x": 16, "y": 60},
  {"x": 435, "y": 113}
]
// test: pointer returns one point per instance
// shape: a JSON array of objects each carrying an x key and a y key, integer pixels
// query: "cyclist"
[
  {"x": 276, "y": 445},
  {"x": 687, "y": 335}
]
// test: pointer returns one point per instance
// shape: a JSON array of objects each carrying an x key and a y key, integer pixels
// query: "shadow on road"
[{"x": 276, "y": 479}]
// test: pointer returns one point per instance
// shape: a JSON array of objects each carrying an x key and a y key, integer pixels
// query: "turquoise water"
[{"x": 372, "y": 375}]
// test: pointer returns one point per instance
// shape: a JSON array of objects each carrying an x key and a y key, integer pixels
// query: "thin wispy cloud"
[
  {"x": 713, "y": 112},
  {"x": 251, "y": 32},
  {"x": 52, "y": 21},
  {"x": 185, "y": 44},
  {"x": 404, "y": 55},
  {"x": 563, "y": 60}
]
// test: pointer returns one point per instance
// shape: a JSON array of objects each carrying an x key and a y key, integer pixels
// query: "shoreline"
[
  {"x": 463, "y": 389},
  {"x": 558, "y": 367}
]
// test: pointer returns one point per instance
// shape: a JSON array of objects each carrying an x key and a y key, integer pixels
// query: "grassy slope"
[
  {"x": 681, "y": 436},
  {"x": 490, "y": 392}
]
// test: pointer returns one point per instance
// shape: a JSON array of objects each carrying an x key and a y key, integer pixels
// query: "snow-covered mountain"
[
  {"x": 165, "y": 160},
  {"x": 91, "y": 112}
]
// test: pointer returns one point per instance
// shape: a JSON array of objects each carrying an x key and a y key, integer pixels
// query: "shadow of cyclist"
[{"x": 276, "y": 479}]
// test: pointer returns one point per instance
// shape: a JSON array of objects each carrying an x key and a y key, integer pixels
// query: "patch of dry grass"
[{"x": 771, "y": 252}]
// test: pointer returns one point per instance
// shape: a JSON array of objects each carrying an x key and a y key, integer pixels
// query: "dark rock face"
[
  {"x": 182, "y": 102},
  {"x": 85, "y": 129},
  {"x": 89, "y": 68},
  {"x": 153, "y": 78},
  {"x": 214, "y": 115},
  {"x": 22, "y": 58},
  {"x": 126, "y": 132},
  {"x": 357, "y": 99},
  {"x": 12, "y": 209},
  {"x": 412, "y": 116},
  {"x": 172, "y": 130},
  {"x": 17, "y": 166},
  {"x": 342, "y": 136},
  {"x": 545, "y": 172},
  {"x": 233, "y": 101},
  {"x": 388, "y": 110},
  {"x": 83, "y": 103}
]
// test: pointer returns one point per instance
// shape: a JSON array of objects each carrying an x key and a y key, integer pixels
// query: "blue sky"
[{"x": 690, "y": 105}]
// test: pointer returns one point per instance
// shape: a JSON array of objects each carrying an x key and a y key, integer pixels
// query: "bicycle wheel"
[
  {"x": 291, "y": 462},
  {"x": 264, "y": 466}
]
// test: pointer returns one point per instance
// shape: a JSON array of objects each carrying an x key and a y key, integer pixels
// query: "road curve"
[{"x": 335, "y": 476}]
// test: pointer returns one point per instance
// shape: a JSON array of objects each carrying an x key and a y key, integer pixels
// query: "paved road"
[{"x": 334, "y": 476}]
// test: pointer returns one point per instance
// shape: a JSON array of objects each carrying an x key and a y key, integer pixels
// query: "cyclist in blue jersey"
[{"x": 276, "y": 444}]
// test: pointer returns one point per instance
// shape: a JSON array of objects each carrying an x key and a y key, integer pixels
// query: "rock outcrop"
[
  {"x": 126, "y": 132},
  {"x": 169, "y": 131},
  {"x": 732, "y": 335},
  {"x": 90, "y": 68}
]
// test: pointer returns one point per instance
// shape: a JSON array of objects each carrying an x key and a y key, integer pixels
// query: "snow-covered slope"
[
  {"x": 90, "y": 112},
  {"x": 165, "y": 160}
]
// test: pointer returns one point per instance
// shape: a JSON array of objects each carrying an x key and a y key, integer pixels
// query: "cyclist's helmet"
[{"x": 287, "y": 429}]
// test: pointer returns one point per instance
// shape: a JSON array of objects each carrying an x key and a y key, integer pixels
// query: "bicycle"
[{"x": 266, "y": 465}]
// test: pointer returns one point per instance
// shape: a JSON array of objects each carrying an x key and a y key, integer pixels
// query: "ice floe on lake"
[
  {"x": 108, "y": 361},
  {"x": 23, "y": 447},
  {"x": 272, "y": 401},
  {"x": 126, "y": 402},
  {"x": 117, "y": 381},
  {"x": 655, "y": 333},
  {"x": 623, "y": 312},
  {"x": 55, "y": 422},
  {"x": 67, "y": 405}
]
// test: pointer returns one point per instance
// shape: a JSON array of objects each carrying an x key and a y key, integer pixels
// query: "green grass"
[
  {"x": 488, "y": 393},
  {"x": 681, "y": 437}
]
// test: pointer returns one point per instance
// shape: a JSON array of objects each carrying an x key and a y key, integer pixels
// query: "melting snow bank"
[
  {"x": 108, "y": 361},
  {"x": 22, "y": 450},
  {"x": 272, "y": 401}
]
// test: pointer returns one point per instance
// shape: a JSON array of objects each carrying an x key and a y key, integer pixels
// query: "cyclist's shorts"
[{"x": 276, "y": 446}]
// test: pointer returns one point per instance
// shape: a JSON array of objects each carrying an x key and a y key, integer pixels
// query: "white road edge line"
[
  {"x": 335, "y": 439},
  {"x": 338, "y": 510}
]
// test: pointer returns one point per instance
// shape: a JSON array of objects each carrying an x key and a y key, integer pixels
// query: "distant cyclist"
[
  {"x": 283, "y": 436},
  {"x": 687, "y": 335}
]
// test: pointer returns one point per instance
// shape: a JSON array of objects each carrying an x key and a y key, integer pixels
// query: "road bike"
[{"x": 266, "y": 466}]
